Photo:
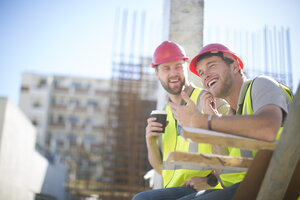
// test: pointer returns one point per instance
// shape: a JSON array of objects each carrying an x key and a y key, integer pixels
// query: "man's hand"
[
  {"x": 154, "y": 155},
  {"x": 183, "y": 113},
  {"x": 198, "y": 183},
  {"x": 208, "y": 103},
  {"x": 152, "y": 126}
]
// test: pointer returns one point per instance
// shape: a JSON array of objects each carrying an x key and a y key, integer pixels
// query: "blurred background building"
[
  {"x": 70, "y": 116},
  {"x": 95, "y": 126}
]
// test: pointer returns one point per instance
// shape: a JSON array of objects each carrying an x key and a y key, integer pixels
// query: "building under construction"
[
  {"x": 101, "y": 132},
  {"x": 133, "y": 95},
  {"x": 97, "y": 126}
]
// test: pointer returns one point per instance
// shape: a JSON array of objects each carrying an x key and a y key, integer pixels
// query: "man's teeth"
[{"x": 211, "y": 83}]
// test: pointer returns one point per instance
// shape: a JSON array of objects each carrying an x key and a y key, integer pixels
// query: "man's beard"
[
  {"x": 225, "y": 90},
  {"x": 174, "y": 91}
]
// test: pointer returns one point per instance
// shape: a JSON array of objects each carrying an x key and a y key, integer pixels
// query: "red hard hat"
[
  {"x": 168, "y": 51},
  {"x": 213, "y": 48}
]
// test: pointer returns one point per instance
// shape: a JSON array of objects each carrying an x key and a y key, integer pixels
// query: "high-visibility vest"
[
  {"x": 172, "y": 141},
  {"x": 232, "y": 178}
]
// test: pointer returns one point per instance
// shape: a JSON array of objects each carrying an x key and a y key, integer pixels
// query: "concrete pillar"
[{"x": 183, "y": 23}]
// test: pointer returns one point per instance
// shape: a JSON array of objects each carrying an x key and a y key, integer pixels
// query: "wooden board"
[
  {"x": 196, "y": 161},
  {"x": 223, "y": 139}
]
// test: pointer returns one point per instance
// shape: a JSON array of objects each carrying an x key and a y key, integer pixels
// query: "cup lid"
[{"x": 162, "y": 112}]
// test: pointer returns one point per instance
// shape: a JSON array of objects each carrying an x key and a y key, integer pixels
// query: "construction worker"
[
  {"x": 169, "y": 61},
  {"x": 259, "y": 106}
]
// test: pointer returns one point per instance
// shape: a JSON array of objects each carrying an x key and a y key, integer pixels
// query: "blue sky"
[
  {"x": 75, "y": 37},
  {"x": 69, "y": 37}
]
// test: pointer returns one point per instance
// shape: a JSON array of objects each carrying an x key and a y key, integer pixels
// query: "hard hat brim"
[
  {"x": 170, "y": 59},
  {"x": 195, "y": 61}
]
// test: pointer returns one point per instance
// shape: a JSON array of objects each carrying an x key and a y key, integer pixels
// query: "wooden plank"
[
  {"x": 223, "y": 139},
  {"x": 196, "y": 161},
  {"x": 285, "y": 156}
]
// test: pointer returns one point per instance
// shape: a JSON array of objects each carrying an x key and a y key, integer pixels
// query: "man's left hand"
[
  {"x": 198, "y": 183},
  {"x": 184, "y": 114}
]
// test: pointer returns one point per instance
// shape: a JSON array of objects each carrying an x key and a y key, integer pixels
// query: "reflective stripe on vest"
[{"x": 177, "y": 177}]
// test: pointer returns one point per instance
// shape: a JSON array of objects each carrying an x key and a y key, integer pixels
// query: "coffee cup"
[{"x": 161, "y": 117}]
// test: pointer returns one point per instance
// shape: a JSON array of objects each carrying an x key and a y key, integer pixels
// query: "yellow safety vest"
[
  {"x": 171, "y": 141},
  {"x": 232, "y": 178}
]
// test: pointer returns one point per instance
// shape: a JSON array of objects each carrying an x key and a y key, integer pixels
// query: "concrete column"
[{"x": 183, "y": 23}]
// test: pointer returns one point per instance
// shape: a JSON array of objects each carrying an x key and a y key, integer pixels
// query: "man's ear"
[
  {"x": 156, "y": 72},
  {"x": 235, "y": 66}
]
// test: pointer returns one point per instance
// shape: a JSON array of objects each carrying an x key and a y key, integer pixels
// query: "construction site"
[
  {"x": 96, "y": 128},
  {"x": 122, "y": 154}
]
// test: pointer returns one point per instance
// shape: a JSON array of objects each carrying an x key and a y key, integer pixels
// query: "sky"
[
  {"x": 69, "y": 37},
  {"x": 76, "y": 37}
]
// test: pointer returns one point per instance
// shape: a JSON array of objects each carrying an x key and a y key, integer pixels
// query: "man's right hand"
[
  {"x": 154, "y": 154},
  {"x": 208, "y": 103},
  {"x": 152, "y": 126}
]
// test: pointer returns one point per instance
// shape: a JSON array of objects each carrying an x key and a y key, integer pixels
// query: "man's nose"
[
  {"x": 205, "y": 75},
  {"x": 174, "y": 72}
]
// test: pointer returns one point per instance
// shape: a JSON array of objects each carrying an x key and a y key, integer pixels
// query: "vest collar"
[{"x": 242, "y": 95}]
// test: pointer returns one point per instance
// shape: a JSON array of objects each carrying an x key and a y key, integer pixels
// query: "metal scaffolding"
[
  {"x": 131, "y": 101},
  {"x": 264, "y": 52},
  {"x": 132, "y": 96}
]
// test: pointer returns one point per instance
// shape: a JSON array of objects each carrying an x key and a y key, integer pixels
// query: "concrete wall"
[
  {"x": 22, "y": 168},
  {"x": 54, "y": 180}
]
